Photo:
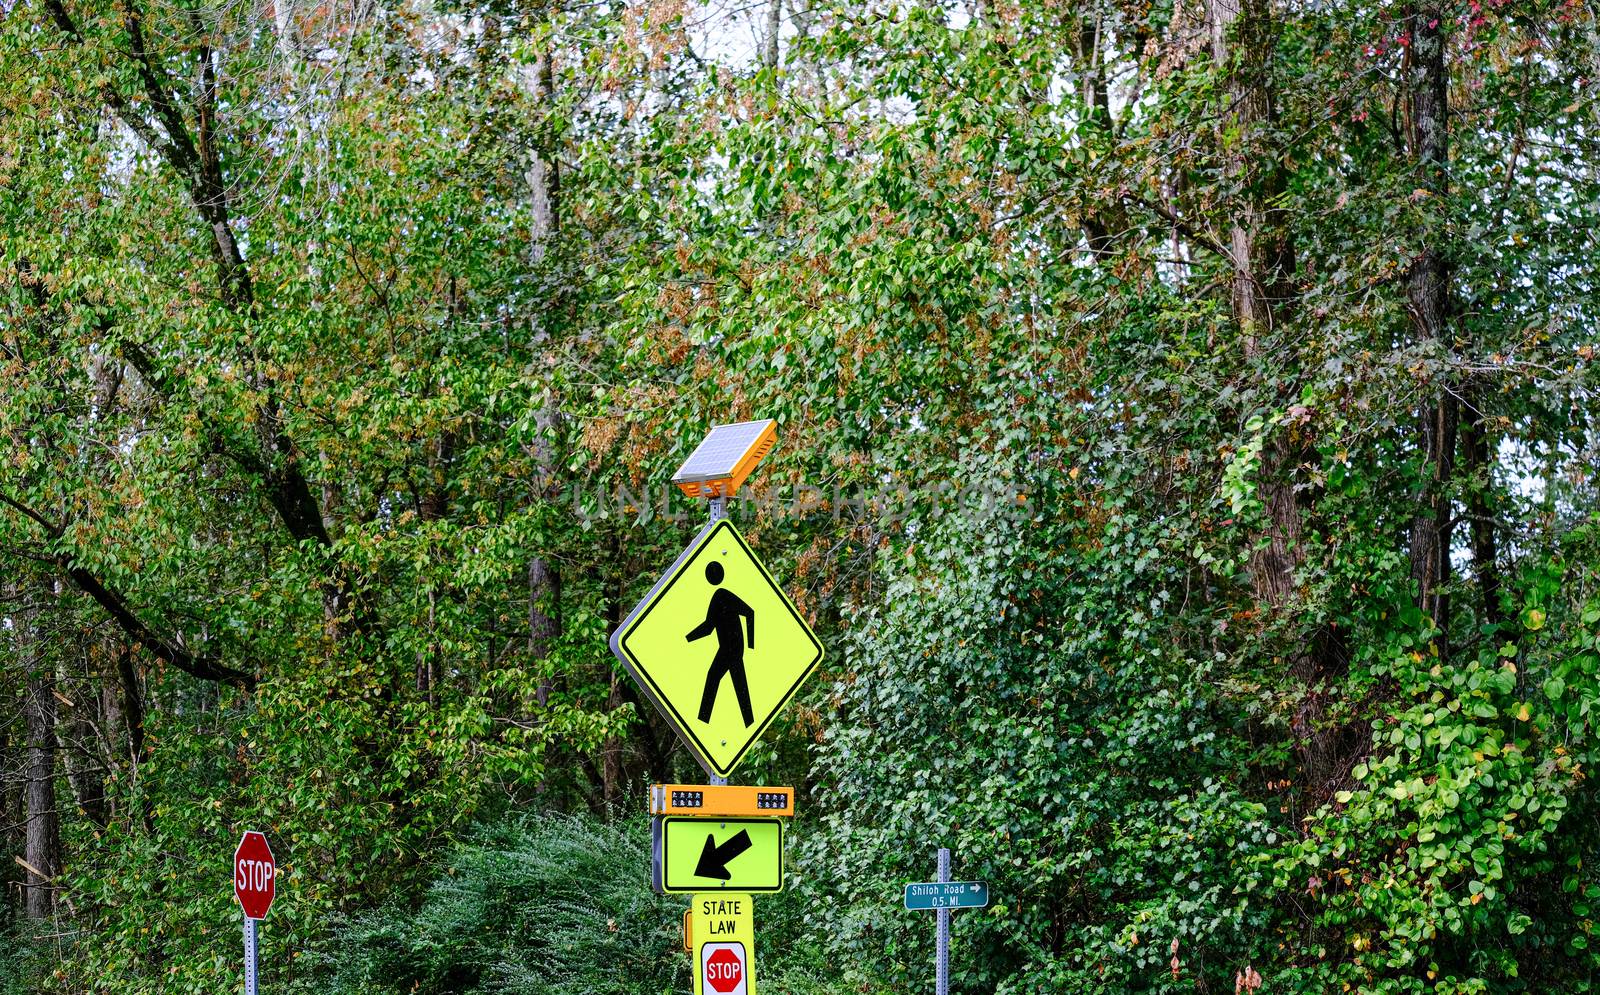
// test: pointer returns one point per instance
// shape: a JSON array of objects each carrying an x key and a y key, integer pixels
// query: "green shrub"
[
  {"x": 542, "y": 903},
  {"x": 22, "y": 957}
]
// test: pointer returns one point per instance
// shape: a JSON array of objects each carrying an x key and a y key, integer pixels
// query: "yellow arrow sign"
[
  {"x": 693, "y": 854},
  {"x": 718, "y": 647}
]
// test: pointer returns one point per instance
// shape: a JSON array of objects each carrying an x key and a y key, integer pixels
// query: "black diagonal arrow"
[{"x": 714, "y": 859}]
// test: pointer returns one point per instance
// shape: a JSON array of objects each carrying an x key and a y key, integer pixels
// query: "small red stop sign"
[
  {"x": 254, "y": 875},
  {"x": 725, "y": 968}
]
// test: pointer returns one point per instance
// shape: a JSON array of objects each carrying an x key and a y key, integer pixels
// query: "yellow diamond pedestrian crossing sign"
[{"x": 718, "y": 647}]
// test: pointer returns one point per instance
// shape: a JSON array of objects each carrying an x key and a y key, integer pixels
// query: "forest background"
[{"x": 1187, "y": 455}]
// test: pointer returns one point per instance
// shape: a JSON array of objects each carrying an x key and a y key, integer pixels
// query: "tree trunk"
[
  {"x": 543, "y": 174},
  {"x": 428, "y": 658},
  {"x": 1109, "y": 218},
  {"x": 614, "y": 775},
  {"x": 125, "y": 698},
  {"x": 42, "y": 849},
  {"x": 769, "y": 55},
  {"x": 132, "y": 706},
  {"x": 1431, "y": 524},
  {"x": 1262, "y": 260},
  {"x": 1480, "y": 511},
  {"x": 1262, "y": 253},
  {"x": 611, "y": 748},
  {"x": 13, "y": 813},
  {"x": 1262, "y": 297},
  {"x": 1428, "y": 293},
  {"x": 283, "y": 28},
  {"x": 544, "y": 617},
  {"x": 85, "y": 769},
  {"x": 544, "y": 193}
]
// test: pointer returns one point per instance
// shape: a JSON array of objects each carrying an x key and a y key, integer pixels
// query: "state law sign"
[
  {"x": 254, "y": 875},
  {"x": 724, "y": 944}
]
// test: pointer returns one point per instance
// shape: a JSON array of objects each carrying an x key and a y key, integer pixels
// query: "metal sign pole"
[
  {"x": 943, "y": 956},
  {"x": 718, "y": 511},
  {"x": 250, "y": 964}
]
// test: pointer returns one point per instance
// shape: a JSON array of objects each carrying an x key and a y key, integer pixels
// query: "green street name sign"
[{"x": 947, "y": 895}]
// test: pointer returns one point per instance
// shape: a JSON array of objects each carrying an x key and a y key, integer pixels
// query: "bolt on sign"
[
  {"x": 724, "y": 945},
  {"x": 697, "y": 855},
  {"x": 718, "y": 647}
]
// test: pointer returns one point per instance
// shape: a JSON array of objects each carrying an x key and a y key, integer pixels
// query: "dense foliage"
[
  {"x": 1187, "y": 455},
  {"x": 537, "y": 905},
  {"x": 546, "y": 906}
]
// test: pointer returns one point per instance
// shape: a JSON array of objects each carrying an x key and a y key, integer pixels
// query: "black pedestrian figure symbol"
[{"x": 722, "y": 617}]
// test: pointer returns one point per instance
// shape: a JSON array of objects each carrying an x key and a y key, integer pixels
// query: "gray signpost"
[
  {"x": 251, "y": 958},
  {"x": 943, "y": 896},
  {"x": 719, "y": 511},
  {"x": 943, "y": 956}
]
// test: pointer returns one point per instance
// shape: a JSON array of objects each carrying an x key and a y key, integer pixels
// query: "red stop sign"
[
  {"x": 725, "y": 970},
  {"x": 254, "y": 875}
]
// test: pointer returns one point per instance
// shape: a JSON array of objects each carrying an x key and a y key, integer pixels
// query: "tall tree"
[
  {"x": 42, "y": 851},
  {"x": 1428, "y": 293}
]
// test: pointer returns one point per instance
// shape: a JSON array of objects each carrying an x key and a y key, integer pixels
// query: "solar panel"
[{"x": 722, "y": 450}]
